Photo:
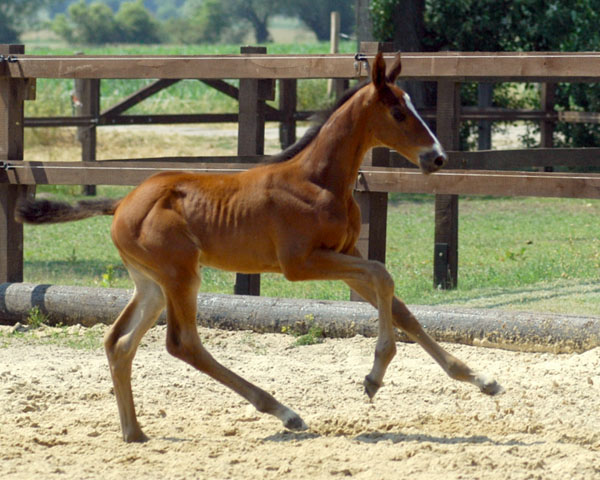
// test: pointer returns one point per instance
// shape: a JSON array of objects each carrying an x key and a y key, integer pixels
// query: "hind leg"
[
  {"x": 184, "y": 343},
  {"x": 121, "y": 343}
]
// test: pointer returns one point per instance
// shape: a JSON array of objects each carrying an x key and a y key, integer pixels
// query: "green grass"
[{"x": 522, "y": 253}]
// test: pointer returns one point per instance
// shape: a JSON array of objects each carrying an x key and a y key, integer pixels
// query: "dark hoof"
[
  {"x": 370, "y": 387},
  {"x": 296, "y": 424},
  {"x": 136, "y": 437},
  {"x": 492, "y": 388}
]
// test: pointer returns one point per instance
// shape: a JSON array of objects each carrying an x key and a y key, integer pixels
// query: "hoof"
[
  {"x": 370, "y": 387},
  {"x": 295, "y": 424},
  {"x": 492, "y": 388},
  {"x": 135, "y": 437}
]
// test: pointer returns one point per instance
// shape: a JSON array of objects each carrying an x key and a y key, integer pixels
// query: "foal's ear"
[
  {"x": 378, "y": 72},
  {"x": 395, "y": 69}
]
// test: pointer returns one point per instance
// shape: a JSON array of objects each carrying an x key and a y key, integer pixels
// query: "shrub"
[
  {"x": 97, "y": 24},
  {"x": 136, "y": 24}
]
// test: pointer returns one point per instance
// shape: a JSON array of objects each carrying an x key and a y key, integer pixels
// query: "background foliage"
[
  {"x": 175, "y": 21},
  {"x": 15, "y": 16},
  {"x": 511, "y": 25},
  {"x": 96, "y": 23}
]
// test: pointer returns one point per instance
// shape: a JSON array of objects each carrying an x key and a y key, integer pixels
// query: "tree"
[
  {"x": 201, "y": 21},
  {"x": 136, "y": 24},
  {"x": 257, "y": 12},
  {"x": 15, "y": 15},
  {"x": 211, "y": 20},
  {"x": 511, "y": 25},
  {"x": 87, "y": 24},
  {"x": 316, "y": 15},
  {"x": 403, "y": 24},
  {"x": 96, "y": 23}
]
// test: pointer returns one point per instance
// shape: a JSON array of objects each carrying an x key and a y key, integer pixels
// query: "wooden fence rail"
[
  {"x": 370, "y": 178},
  {"x": 449, "y": 66},
  {"x": 484, "y": 172}
]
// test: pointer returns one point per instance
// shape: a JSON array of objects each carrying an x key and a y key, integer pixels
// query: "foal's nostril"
[{"x": 433, "y": 160}]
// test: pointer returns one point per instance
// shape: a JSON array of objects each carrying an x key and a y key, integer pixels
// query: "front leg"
[
  {"x": 371, "y": 276},
  {"x": 455, "y": 368},
  {"x": 385, "y": 350}
]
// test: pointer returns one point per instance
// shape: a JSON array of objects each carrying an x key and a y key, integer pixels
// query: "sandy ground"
[{"x": 59, "y": 417}]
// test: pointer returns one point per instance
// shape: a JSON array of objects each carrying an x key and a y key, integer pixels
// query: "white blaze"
[{"x": 437, "y": 147}]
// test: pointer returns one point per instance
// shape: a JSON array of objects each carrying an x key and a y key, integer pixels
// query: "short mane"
[{"x": 314, "y": 130}]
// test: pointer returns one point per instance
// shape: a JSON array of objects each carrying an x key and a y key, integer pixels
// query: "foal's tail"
[{"x": 49, "y": 211}]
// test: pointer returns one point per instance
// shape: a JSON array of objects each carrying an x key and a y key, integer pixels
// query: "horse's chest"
[{"x": 339, "y": 225}]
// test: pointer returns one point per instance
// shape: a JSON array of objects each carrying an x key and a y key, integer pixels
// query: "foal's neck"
[{"x": 336, "y": 154}]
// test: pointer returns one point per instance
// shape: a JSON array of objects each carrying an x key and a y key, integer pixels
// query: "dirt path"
[{"x": 59, "y": 417}]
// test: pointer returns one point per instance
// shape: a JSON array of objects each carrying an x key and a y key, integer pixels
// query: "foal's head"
[{"x": 396, "y": 123}]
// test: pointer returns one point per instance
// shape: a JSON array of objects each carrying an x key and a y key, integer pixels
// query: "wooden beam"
[
  {"x": 88, "y": 96},
  {"x": 455, "y": 66},
  {"x": 138, "y": 97},
  {"x": 370, "y": 179},
  {"x": 120, "y": 172},
  {"x": 166, "y": 119},
  {"x": 547, "y": 101},
  {"x": 231, "y": 91},
  {"x": 482, "y": 182},
  {"x": 275, "y": 115},
  {"x": 445, "y": 261},
  {"x": 183, "y": 67},
  {"x": 485, "y": 94},
  {"x": 12, "y": 95},
  {"x": 58, "y": 121},
  {"x": 579, "y": 117},
  {"x": 251, "y": 141},
  {"x": 288, "y": 99},
  {"x": 522, "y": 159},
  {"x": 223, "y": 87}
]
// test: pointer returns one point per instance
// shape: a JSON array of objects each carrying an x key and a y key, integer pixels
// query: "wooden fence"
[{"x": 476, "y": 173}]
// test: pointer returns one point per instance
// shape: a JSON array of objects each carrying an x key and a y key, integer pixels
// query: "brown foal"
[{"x": 295, "y": 216}]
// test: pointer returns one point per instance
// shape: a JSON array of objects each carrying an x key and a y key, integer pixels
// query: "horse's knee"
[
  {"x": 115, "y": 345},
  {"x": 110, "y": 342}
]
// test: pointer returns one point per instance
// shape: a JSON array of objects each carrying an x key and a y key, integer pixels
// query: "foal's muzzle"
[{"x": 433, "y": 160}]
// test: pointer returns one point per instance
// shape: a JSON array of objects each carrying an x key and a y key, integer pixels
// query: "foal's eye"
[{"x": 398, "y": 114}]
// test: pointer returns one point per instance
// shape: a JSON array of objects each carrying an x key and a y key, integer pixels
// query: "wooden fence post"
[
  {"x": 288, "y": 99},
  {"x": 13, "y": 92},
  {"x": 335, "y": 86},
  {"x": 87, "y": 96},
  {"x": 445, "y": 262},
  {"x": 251, "y": 141},
  {"x": 485, "y": 93},
  {"x": 334, "y": 47},
  {"x": 373, "y": 205},
  {"x": 548, "y": 96}
]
